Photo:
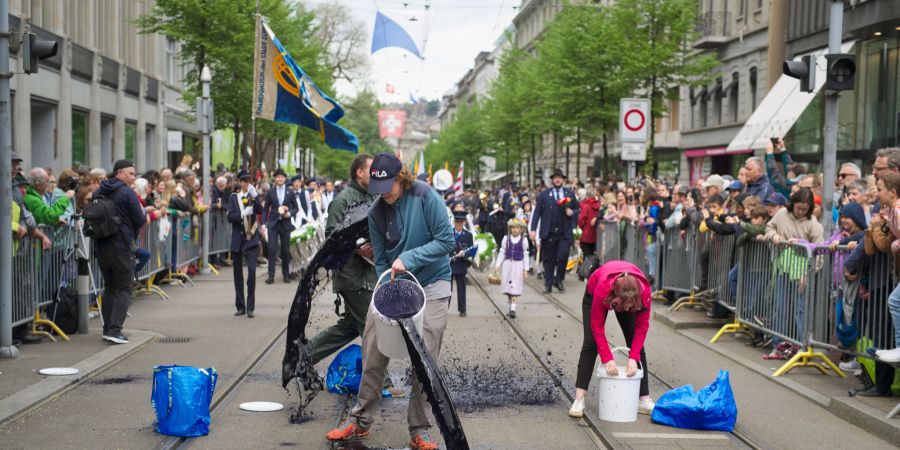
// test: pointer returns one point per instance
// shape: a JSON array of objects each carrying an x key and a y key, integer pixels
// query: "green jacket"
[
  {"x": 357, "y": 273},
  {"x": 44, "y": 214}
]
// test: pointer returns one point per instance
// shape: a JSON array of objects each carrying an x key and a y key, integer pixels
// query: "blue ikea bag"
[
  {"x": 345, "y": 372},
  {"x": 710, "y": 408},
  {"x": 181, "y": 397}
]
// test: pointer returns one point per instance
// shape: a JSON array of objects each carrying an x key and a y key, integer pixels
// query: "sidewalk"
[{"x": 828, "y": 391}]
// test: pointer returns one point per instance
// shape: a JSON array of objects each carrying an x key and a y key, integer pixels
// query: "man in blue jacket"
[
  {"x": 410, "y": 232},
  {"x": 556, "y": 212},
  {"x": 115, "y": 254}
]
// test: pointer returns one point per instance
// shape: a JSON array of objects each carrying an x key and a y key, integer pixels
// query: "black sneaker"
[
  {"x": 548, "y": 289},
  {"x": 240, "y": 312},
  {"x": 560, "y": 287},
  {"x": 512, "y": 314},
  {"x": 462, "y": 314},
  {"x": 270, "y": 280},
  {"x": 116, "y": 338}
]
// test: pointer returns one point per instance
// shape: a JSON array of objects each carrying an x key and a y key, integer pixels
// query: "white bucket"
[
  {"x": 619, "y": 395},
  {"x": 389, "y": 337}
]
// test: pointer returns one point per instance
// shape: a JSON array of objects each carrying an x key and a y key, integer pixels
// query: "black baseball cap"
[{"x": 384, "y": 170}]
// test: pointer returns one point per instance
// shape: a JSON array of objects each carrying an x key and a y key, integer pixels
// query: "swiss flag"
[{"x": 389, "y": 88}]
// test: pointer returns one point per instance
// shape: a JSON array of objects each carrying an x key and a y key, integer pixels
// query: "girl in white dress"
[{"x": 513, "y": 263}]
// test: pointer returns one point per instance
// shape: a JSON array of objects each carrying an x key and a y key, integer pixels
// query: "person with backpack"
[{"x": 114, "y": 218}]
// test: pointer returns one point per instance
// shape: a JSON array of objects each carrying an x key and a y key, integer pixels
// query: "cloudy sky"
[{"x": 451, "y": 31}]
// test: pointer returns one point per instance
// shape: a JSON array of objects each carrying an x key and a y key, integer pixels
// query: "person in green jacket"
[
  {"x": 356, "y": 280},
  {"x": 43, "y": 213}
]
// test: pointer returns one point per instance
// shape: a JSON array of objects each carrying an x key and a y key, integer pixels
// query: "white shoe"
[
  {"x": 646, "y": 406},
  {"x": 577, "y": 409},
  {"x": 889, "y": 356},
  {"x": 851, "y": 366}
]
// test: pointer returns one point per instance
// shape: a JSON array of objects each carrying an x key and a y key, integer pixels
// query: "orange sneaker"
[
  {"x": 346, "y": 431},
  {"x": 421, "y": 441}
]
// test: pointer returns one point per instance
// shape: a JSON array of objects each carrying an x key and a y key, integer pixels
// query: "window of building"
[
  {"x": 171, "y": 61},
  {"x": 742, "y": 10},
  {"x": 753, "y": 88},
  {"x": 733, "y": 97},
  {"x": 130, "y": 139},
  {"x": 718, "y": 93},
  {"x": 674, "y": 113},
  {"x": 693, "y": 99},
  {"x": 79, "y": 137},
  {"x": 704, "y": 97}
]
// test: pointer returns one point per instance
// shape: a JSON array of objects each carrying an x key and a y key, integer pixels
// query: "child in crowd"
[
  {"x": 887, "y": 223},
  {"x": 756, "y": 227},
  {"x": 459, "y": 260},
  {"x": 513, "y": 262}
]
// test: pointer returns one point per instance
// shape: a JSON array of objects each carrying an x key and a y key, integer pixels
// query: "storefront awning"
[
  {"x": 496, "y": 176},
  {"x": 780, "y": 109}
]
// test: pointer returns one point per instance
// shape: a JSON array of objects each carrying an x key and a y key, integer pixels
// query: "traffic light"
[
  {"x": 803, "y": 70},
  {"x": 840, "y": 69},
  {"x": 34, "y": 49}
]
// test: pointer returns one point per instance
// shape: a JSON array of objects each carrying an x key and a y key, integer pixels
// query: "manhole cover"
[
  {"x": 491, "y": 413},
  {"x": 173, "y": 340}
]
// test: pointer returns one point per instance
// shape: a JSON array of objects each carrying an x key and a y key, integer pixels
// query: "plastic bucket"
[
  {"x": 619, "y": 395},
  {"x": 389, "y": 337}
]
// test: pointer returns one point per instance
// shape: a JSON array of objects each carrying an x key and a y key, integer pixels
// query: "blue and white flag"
[
  {"x": 285, "y": 93},
  {"x": 389, "y": 33}
]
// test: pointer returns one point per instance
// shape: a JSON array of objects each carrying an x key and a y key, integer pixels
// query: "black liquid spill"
[
  {"x": 435, "y": 390},
  {"x": 399, "y": 299},
  {"x": 333, "y": 254}
]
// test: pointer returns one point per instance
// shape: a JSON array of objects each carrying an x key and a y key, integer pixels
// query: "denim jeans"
[
  {"x": 894, "y": 308},
  {"x": 788, "y": 302},
  {"x": 651, "y": 258}
]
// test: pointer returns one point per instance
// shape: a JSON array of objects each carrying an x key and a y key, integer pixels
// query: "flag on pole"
[
  {"x": 388, "y": 33},
  {"x": 420, "y": 164},
  {"x": 283, "y": 92},
  {"x": 458, "y": 185},
  {"x": 429, "y": 170},
  {"x": 446, "y": 165}
]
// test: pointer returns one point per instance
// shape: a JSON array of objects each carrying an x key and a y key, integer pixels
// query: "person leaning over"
[
  {"x": 410, "y": 233},
  {"x": 115, "y": 254}
]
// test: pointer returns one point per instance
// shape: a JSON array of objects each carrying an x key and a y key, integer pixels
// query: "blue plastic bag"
[
  {"x": 710, "y": 408},
  {"x": 345, "y": 372},
  {"x": 181, "y": 397}
]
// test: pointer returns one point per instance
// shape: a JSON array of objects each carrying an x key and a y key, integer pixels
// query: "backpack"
[{"x": 101, "y": 218}]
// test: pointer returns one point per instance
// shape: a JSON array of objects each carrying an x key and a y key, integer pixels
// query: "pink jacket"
[{"x": 600, "y": 284}]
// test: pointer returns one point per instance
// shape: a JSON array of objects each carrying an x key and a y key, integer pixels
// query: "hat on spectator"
[
  {"x": 854, "y": 212},
  {"x": 15, "y": 157},
  {"x": 19, "y": 180},
  {"x": 558, "y": 173},
  {"x": 460, "y": 216},
  {"x": 296, "y": 178},
  {"x": 384, "y": 169},
  {"x": 684, "y": 190},
  {"x": 775, "y": 198},
  {"x": 735, "y": 186},
  {"x": 422, "y": 177},
  {"x": 280, "y": 171},
  {"x": 714, "y": 180},
  {"x": 121, "y": 164},
  {"x": 243, "y": 175}
]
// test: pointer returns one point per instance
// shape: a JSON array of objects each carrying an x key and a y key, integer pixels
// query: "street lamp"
[{"x": 203, "y": 116}]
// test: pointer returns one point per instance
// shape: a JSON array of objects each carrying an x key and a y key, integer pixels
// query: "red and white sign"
[
  {"x": 389, "y": 88},
  {"x": 391, "y": 122},
  {"x": 634, "y": 120}
]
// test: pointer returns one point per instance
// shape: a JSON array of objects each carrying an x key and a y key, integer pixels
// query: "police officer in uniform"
[
  {"x": 243, "y": 206},
  {"x": 280, "y": 209},
  {"x": 555, "y": 211}
]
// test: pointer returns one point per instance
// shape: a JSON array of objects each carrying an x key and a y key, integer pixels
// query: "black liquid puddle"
[
  {"x": 297, "y": 365},
  {"x": 116, "y": 380}
]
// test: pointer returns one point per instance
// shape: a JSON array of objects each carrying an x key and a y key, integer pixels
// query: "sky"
[{"x": 451, "y": 31}]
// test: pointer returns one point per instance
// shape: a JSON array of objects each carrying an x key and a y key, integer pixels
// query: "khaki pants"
[{"x": 374, "y": 365}]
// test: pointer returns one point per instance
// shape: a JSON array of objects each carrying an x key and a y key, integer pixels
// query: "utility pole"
[
  {"x": 7, "y": 349},
  {"x": 835, "y": 33},
  {"x": 203, "y": 115}
]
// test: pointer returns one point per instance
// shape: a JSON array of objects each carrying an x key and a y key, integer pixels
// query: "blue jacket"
[
  {"x": 129, "y": 209},
  {"x": 240, "y": 242},
  {"x": 274, "y": 221},
  {"x": 416, "y": 230},
  {"x": 466, "y": 244},
  {"x": 544, "y": 209},
  {"x": 762, "y": 188}
]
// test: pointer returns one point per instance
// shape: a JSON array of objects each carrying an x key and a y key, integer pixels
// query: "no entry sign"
[{"x": 634, "y": 119}]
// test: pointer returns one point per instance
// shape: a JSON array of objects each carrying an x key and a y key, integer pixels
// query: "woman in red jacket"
[
  {"x": 587, "y": 221},
  {"x": 621, "y": 287}
]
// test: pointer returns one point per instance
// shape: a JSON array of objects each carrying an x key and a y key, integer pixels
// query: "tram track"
[{"x": 739, "y": 434}]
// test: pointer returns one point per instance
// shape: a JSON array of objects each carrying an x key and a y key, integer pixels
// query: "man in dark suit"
[
  {"x": 243, "y": 207},
  {"x": 556, "y": 211},
  {"x": 280, "y": 209},
  {"x": 459, "y": 264}
]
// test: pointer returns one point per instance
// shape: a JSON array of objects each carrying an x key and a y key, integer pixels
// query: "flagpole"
[{"x": 253, "y": 116}]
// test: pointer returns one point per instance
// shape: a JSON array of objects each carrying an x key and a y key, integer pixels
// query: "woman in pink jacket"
[{"x": 622, "y": 287}]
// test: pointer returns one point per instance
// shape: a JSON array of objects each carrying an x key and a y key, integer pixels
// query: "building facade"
[{"x": 109, "y": 93}]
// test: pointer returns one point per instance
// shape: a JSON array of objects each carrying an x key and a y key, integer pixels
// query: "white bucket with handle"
[
  {"x": 389, "y": 337},
  {"x": 619, "y": 395}
]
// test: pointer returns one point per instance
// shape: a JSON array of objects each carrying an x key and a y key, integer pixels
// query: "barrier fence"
[{"x": 795, "y": 293}]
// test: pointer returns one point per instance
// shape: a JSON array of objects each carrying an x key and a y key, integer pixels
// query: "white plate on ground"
[
  {"x": 261, "y": 406},
  {"x": 58, "y": 371}
]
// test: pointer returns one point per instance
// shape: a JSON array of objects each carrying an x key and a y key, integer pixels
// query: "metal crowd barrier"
[
  {"x": 220, "y": 233},
  {"x": 609, "y": 241},
  {"x": 158, "y": 243},
  {"x": 636, "y": 246},
  {"x": 721, "y": 260},
  {"x": 676, "y": 260}
]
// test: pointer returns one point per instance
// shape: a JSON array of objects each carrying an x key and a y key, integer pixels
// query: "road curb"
[
  {"x": 33, "y": 397},
  {"x": 665, "y": 317}
]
